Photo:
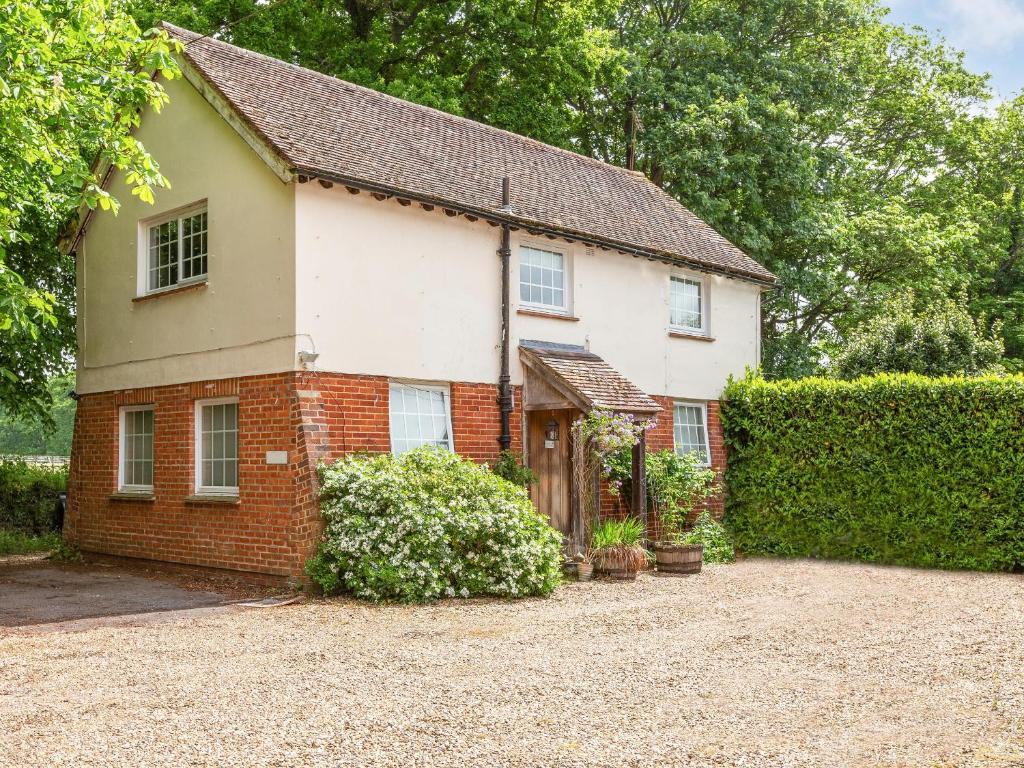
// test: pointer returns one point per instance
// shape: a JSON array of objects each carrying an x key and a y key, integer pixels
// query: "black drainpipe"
[{"x": 505, "y": 380}]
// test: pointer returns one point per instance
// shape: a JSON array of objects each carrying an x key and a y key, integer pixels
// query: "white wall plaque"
[{"x": 277, "y": 457}]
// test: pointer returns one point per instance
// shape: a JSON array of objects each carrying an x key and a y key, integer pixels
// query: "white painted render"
[
  {"x": 243, "y": 321},
  {"x": 397, "y": 291},
  {"x": 372, "y": 286}
]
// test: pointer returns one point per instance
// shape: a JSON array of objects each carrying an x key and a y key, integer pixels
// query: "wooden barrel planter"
[
  {"x": 619, "y": 563},
  {"x": 678, "y": 559}
]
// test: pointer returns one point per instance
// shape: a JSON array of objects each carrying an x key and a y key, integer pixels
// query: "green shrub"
[
  {"x": 617, "y": 533},
  {"x": 676, "y": 485},
  {"x": 892, "y": 469},
  {"x": 510, "y": 467},
  {"x": 28, "y": 496},
  {"x": 17, "y": 543},
  {"x": 712, "y": 535},
  {"x": 427, "y": 525}
]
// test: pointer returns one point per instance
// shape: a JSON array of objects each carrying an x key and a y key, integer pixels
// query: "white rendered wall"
[
  {"x": 397, "y": 291},
  {"x": 243, "y": 321}
]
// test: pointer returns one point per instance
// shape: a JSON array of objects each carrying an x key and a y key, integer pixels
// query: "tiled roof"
[
  {"x": 588, "y": 377},
  {"x": 329, "y": 128}
]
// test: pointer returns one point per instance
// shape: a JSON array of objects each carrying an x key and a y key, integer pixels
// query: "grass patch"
[{"x": 17, "y": 543}]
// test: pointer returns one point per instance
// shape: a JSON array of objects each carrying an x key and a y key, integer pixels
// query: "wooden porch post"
[{"x": 639, "y": 480}]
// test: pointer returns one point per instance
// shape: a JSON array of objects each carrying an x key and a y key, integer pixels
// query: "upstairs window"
[
  {"x": 420, "y": 415},
  {"x": 686, "y": 303},
  {"x": 217, "y": 446},
  {"x": 542, "y": 279},
  {"x": 136, "y": 464},
  {"x": 690, "y": 430},
  {"x": 177, "y": 250}
]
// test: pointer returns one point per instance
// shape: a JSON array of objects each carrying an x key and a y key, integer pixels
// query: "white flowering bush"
[{"x": 427, "y": 525}]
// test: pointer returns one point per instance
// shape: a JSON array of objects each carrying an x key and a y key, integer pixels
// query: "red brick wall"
[
  {"x": 276, "y": 523},
  {"x": 254, "y": 534},
  {"x": 476, "y": 421}
]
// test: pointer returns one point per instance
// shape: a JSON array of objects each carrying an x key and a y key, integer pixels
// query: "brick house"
[{"x": 337, "y": 270}]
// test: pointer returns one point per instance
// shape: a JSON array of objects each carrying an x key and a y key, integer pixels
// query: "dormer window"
[{"x": 176, "y": 250}]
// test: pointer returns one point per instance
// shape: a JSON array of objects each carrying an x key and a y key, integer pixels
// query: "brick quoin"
[{"x": 275, "y": 524}]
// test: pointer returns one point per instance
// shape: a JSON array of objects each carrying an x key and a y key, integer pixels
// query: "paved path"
[{"x": 36, "y": 593}]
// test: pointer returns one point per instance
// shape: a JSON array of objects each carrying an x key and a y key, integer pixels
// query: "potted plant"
[
  {"x": 677, "y": 484},
  {"x": 616, "y": 548},
  {"x": 584, "y": 567}
]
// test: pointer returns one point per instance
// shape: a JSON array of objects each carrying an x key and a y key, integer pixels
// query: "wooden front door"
[{"x": 551, "y": 460}]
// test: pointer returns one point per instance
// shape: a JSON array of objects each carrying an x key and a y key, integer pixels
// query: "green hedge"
[
  {"x": 895, "y": 469},
  {"x": 28, "y": 497}
]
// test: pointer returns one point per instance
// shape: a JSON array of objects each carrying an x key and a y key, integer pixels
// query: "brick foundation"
[{"x": 274, "y": 525}]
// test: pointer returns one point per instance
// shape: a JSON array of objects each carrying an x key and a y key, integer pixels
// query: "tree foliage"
[
  {"x": 74, "y": 77},
  {"x": 941, "y": 340}
]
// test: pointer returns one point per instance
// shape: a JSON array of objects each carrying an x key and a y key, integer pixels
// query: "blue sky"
[{"x": 990, "y": 32}]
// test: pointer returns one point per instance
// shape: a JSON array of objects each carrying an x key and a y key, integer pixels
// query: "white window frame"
[
  {"x": 178, "y": 214},
  {"x": 442, "y": 388},
  {"x": 213, "y": 490},
  {"x": 704, "y": 418},
  {"x": 554, "y": 309},
  {"x": 121, "y": 485},
  {"x": 703, "y": 283}
]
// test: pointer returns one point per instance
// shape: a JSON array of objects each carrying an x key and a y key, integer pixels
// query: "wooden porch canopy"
[
  {"x": 566, "y": 375},
  {"x": 570, "y": 376}
]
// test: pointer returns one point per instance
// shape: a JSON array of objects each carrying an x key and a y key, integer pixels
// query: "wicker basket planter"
[
  {"x": 620, "y": 563},
  {"x": 678, "y": 559},
  {"x": 584, "y": 571}
]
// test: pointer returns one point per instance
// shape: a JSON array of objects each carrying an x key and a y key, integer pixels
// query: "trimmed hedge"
[
  {"x": 28, "y": 497},
  {"x": 897, "y": 469}
]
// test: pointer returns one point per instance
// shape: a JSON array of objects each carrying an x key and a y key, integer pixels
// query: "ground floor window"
[
  {"x": 690, "y": 428},
  {"x": 420, "y": 415},
  {"x": 136, "y": 448},
  {"x": 217, "y": 446}
]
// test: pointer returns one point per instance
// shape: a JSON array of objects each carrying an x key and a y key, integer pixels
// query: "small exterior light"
[{"x": 551, "y": 431}]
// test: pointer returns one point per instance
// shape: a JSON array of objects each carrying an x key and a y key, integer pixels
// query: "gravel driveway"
[{"x": 764, "y": 663}]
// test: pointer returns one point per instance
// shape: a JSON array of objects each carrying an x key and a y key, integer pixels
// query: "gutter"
[{"x": 505, "y": 379}]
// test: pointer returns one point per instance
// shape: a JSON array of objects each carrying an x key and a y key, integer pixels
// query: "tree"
[
  {"x": 526, "y": 66},
  {"x": 74, "y": 78},
  {"x": 37, "y": 437},
  {"x": 941, "y": 340},
  {"x": 808, "y": 132}
]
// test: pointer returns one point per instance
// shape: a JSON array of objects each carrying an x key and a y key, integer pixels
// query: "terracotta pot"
[
  {"x": 620, "y": 563},
  {"x": 678, "y": 559},
  {"x": 584, "y": 571}
]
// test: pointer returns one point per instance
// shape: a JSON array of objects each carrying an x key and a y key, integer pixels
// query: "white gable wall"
[
  {"x": 397, "y": 291},
  {"x": 243, "y": 321}
]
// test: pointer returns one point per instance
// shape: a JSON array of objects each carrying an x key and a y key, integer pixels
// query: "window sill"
[
  {"x": 198, "y": 284},
  {"x": 548, "y": 314},
  {"x": 213, "y": 498},
  {"x": 133, "y": 496},
  {"x": 677, "y": 334}
]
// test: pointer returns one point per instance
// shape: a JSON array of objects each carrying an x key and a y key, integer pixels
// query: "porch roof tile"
[{"x": 587, "y": 376}]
